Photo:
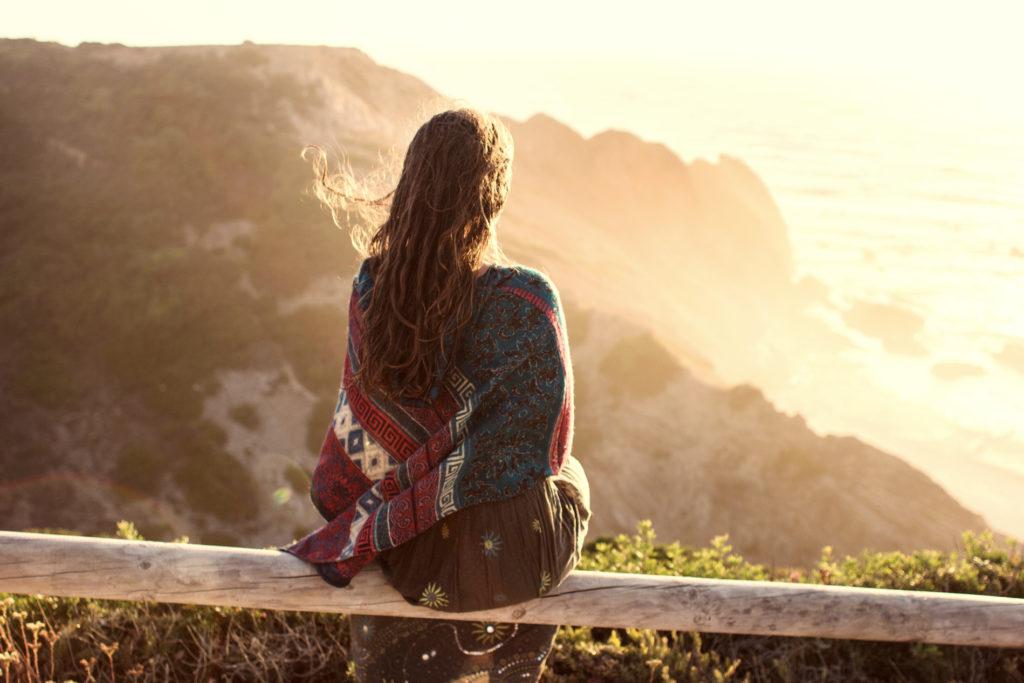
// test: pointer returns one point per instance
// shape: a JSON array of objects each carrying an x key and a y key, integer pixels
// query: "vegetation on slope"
[{"x": 120, "y": 302}]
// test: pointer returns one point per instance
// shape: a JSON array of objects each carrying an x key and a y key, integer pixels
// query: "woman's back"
[
  {"x": 448, "y": 455},
  {"x": 486, "y": 555}
]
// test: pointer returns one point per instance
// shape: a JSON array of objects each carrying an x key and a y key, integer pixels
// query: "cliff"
[{"x": 174, "y": 308}]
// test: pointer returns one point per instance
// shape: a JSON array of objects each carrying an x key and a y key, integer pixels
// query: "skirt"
[{"x": 488, "y": 555}]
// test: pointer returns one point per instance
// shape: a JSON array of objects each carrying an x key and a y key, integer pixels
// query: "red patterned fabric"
[{"x": 498, "y": 421}]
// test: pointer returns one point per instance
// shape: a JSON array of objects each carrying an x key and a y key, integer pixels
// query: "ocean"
[{"x": 893, "y": 192}]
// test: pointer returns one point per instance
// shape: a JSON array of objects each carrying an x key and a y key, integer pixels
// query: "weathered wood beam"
[{"x": 83, "y": 566}]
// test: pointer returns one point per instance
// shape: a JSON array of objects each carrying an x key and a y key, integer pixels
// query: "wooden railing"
[{"x": 83, "y": 566}]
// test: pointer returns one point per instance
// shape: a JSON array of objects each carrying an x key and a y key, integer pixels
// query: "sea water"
[{"x": 892, "y": 193}]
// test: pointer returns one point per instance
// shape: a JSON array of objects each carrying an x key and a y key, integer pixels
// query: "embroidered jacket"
[{"x": 498, "y": 421}]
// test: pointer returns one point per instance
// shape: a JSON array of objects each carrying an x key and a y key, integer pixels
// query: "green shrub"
[
  {"x": 140, "y": 468},
  {"x": 298, "y": 479},
  {"x": 246, "y": 415},
  {"x": 212, "y": 480}
]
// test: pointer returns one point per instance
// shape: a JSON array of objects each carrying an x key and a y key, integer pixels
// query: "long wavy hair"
[{"x": 425, "y": 239}]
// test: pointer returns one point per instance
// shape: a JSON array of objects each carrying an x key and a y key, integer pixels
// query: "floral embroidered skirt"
[{"x": 485, "y": 556}]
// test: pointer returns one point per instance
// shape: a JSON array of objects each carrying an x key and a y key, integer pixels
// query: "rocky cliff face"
[
  {"x": 174, "y": 308},
  {"x": 700, "y": 460}
]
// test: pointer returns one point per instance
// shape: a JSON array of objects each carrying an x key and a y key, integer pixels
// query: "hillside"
[{"x": 173, "y": 308}]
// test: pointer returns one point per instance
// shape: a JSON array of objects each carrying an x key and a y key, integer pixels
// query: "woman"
[{"x": 448, "y": 457}]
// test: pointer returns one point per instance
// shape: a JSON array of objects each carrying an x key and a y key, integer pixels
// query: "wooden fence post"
[{"x": 84, "y": 566}]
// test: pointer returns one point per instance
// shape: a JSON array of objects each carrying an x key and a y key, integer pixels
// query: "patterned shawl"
[{"x": 500, "y": 421}]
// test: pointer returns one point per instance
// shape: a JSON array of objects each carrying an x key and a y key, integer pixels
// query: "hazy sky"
[
  {"x": 583, "y": 62},
  {"x": 957, "y": 43}
]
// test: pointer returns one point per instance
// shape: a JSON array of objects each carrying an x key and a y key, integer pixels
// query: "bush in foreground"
[{"x": 61, "y": 639}]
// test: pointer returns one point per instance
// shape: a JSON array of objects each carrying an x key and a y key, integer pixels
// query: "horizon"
[{"x": 791, "y": 40}]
